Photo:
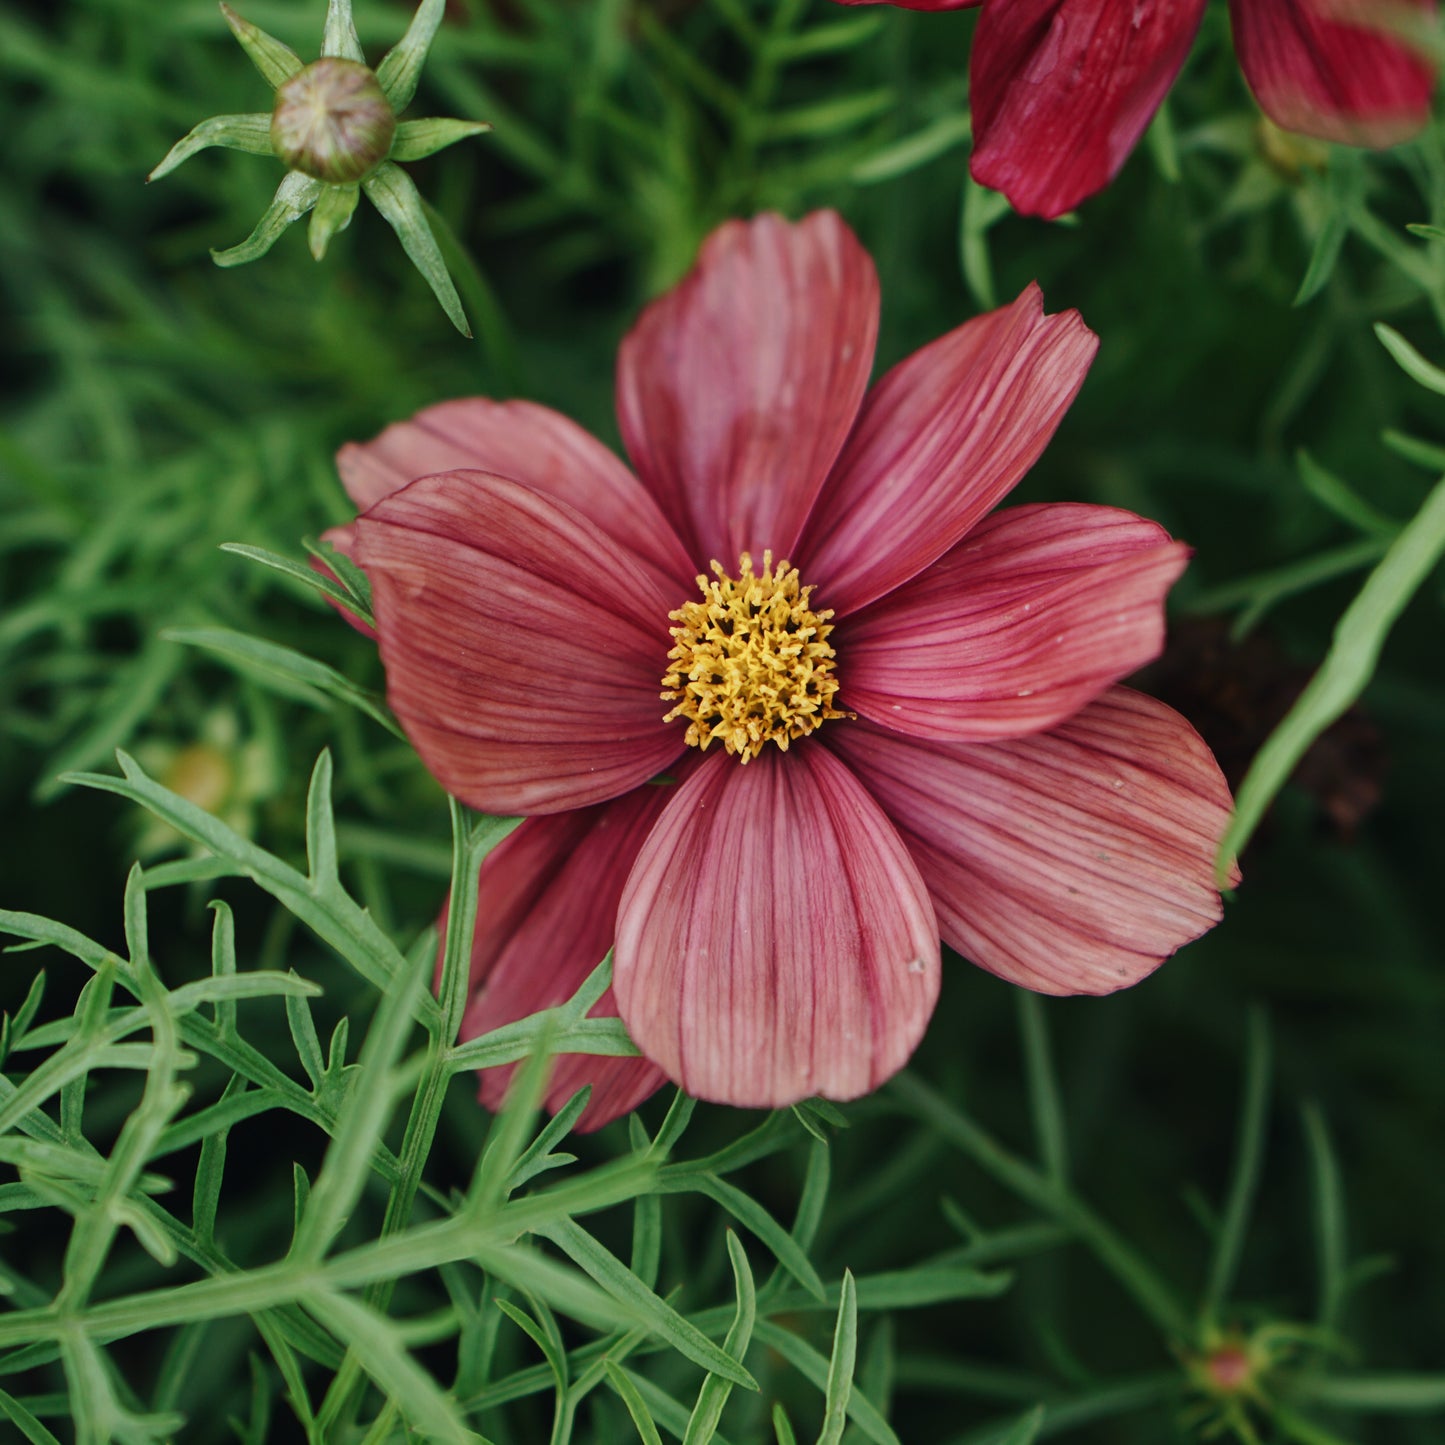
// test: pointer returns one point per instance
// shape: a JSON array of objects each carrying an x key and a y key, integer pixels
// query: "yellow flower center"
[{"x": 750, "y": 662}]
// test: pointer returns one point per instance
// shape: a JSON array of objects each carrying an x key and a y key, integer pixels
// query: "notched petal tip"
[{"x": 775, "y": 941}]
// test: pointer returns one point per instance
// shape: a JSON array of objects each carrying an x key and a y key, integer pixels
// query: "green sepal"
[
  {"x": 339, "y": 39},
  {"x": 276, "y": 62},
  {"x": 250, "y": 133},
  {"x": 400, "y": 68},
  {"x": 391, "y": 191},
  {"x": 416, "y": 139},
  {"x": 332, "y": 214},
  {"x": 294, "y": 197}
]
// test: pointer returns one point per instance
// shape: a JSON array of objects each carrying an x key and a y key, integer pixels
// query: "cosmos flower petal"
[
  {"x": 775, "y": 940},
  {"x": 736, "y": 389},
  {"x": 1030, "y": 617},
  {"x": 522, "y": 659},
  {"x": 1061, "y": 91},
  {"x": 1074, "y": 861},
  {"x": 941, "y": 439},
  {"x": 1318, "y": 66},
  {"x": 546, "y": 912},
  {"x": 527, "y": 443}
]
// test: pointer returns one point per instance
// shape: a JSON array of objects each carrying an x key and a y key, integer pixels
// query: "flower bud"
[{"x": 332, "y": 121}]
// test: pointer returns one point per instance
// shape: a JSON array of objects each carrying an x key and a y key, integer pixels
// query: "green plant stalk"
[
  {"x": 469, "y": 847},
  {"x": 1147, "y": 1289}
]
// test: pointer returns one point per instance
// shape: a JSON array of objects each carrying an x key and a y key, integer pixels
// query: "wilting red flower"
[
  {"x": 789, "y": 705},
  {"x": 1061, "y": 90}
]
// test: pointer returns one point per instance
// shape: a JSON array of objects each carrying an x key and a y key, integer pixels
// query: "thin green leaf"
[
  {"x": 815, "y": 1369},
  {"x": 339, "y": 36},
  {"x": 839, "y": 1384},
  {"x": 628, "y": 1393},
  {"x": 624, "y": 1286},
  {"x": 1329, "y": 1219},
  {"x": 294, "y": 197},
  {"x": 1330, "y": 491},
  {"x": 1382, "y": 1393},
  {"x": 393, "y": 193},
  {"x": 1425, "y": 373},
  {"x": 702, "y": 1424},
  {"x": 899, "y": 159},
  {"x": 378, "y": 1343},
  {"x": 1244, "y": 1184},
  {"x": 1044, "y": 1105},
  {"x": 1346, "y": 192},
  {"x": 289, "y": 672},
  {"x": 276, "y": 62},
  {"x": 401, "y": 67},
  {"x": 249, "y": 133},
  {"x": 1025, "y": 1430}
]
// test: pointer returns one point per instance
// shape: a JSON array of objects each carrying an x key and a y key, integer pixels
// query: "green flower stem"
[
  {"x": 1148, "y": 1290},
  {"x": 469, "y": 847},
  {"x": 486, "y": 1242},
  {"x": 1348, "y": 666}
]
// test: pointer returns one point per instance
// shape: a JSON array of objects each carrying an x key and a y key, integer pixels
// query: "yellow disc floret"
[{"x": 750, "y": 662}]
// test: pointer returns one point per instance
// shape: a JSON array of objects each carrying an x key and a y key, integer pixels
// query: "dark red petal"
[
  {"x": 1074, "y": 861},
  {"x": 940, "y": 441},
  {"x": 1318, "y": 67},
  {"x": 526, "y": 443},
  {"x": 775, "y": 940},
  {"x": 1061, "y": 91},
  {"x": 523, "y": 652},
  {"x": 1031, "y": 616},
  {"x": 736, "y": 389},
  {"x": 546, "y": 915}
]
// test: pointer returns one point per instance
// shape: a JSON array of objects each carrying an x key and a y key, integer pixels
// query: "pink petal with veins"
[
  {"x": 775, "y": 940},
  {"x": 1074, "y": 861},
  {"x": 1032, "y": 615}
]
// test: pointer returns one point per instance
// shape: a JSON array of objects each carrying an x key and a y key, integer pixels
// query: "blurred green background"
[{"x": 155, "y": 407}]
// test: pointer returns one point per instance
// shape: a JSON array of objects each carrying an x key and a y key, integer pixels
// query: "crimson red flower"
[
  {"x": 1061, "y": 90},
  {"x": 793, "y": 702}
]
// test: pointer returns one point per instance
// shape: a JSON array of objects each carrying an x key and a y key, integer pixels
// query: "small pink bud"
[
  {"x": 1228, "y": 1369},
  {"x": 332, "y": 121}
]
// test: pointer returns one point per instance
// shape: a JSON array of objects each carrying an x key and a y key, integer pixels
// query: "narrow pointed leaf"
[
  {"x": 391, "y": 191},
  {"x": 702, "y": 1426},
  {"x": 332, "y": 216},
  {"x": 400, "y": 68},
  {"x": 294, "y": 197},
  {"x": 275, "y": 61},
  {"x": 339, "y": 38},
  {"x": 621, "y": 1381},
  {"x": 249, "y": 133},
  {"x": 416, "y": 139},
  {"x": 840, "y": 1367}
]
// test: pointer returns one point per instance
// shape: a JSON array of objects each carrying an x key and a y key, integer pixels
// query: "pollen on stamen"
[{"x": 750, "y": 662}]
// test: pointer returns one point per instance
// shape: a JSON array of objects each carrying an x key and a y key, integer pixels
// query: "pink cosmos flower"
[
  {"x": 791, "y": 703},
  {"x": 1061, "y": 90}
]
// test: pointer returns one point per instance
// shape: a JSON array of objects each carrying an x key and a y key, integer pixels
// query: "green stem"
[{"x": 1150, "y": 1292}]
